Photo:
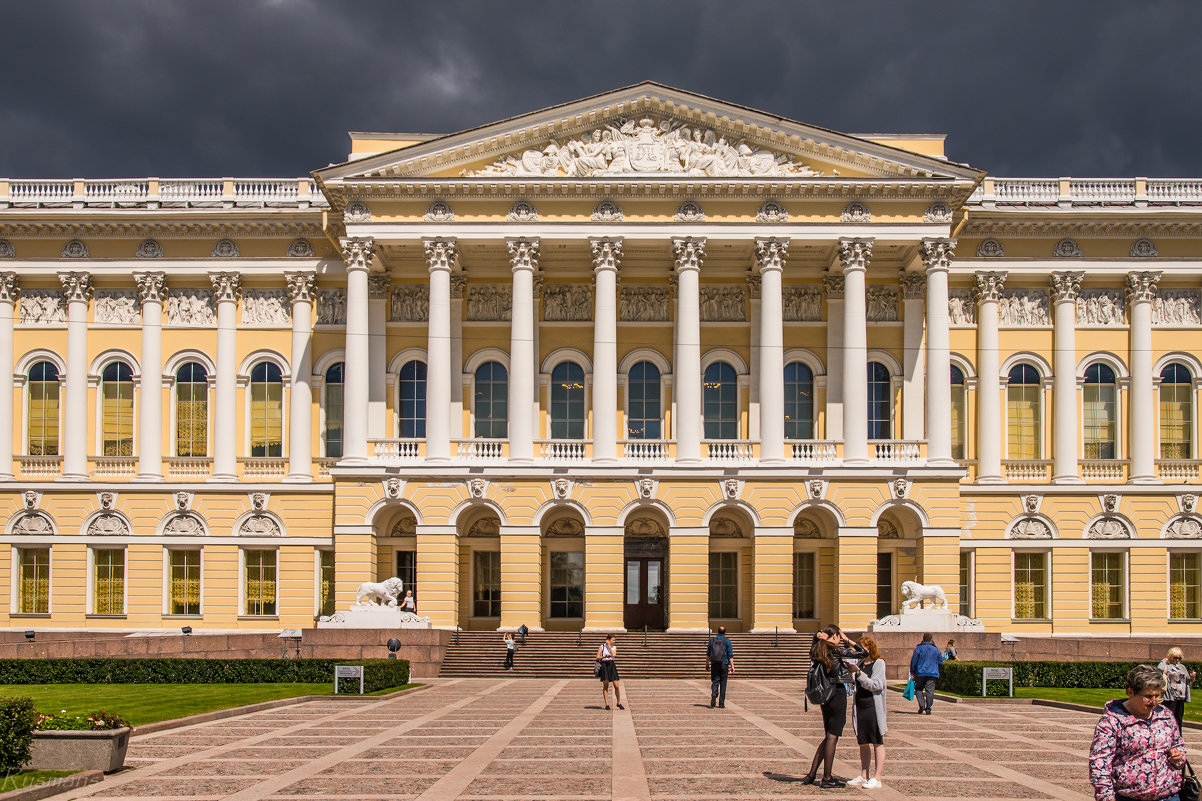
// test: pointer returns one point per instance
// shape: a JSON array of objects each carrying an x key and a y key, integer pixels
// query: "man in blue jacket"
[
  {"x": 719, "y": 656},
  {"x": 924, "y": 669}
]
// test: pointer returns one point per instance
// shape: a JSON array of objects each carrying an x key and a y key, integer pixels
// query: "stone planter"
[{"x": 79, "y": 750}]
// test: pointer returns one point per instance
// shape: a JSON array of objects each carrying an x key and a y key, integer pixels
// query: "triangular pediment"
[{"x": 648, "y": 131}]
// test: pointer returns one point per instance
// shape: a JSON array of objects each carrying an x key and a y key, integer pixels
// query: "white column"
[
  {"x": 357, "y": 252},
  {"x": 937, "y": 257},
  {"x": 377, "y": 367},
  {"x": 152, "y": 288},
  {"x": 989, "y": 411},
  {"x": 770, "y": 255},
  {"x": 300, "y": 420},
  {"x": 9, "y": 291},
  {"x": 833, "y": 284},
  {"x": 458, "y": 287},
  {"x": 227, "y": 288},
  {"x": 754, "y": 368},
  {"x": 441, "y": 255},
  {"x": 1065, "y": 286},
  {"x": 853, "y": 257},
  {"x": 914, "y": 402},
  {"x": 523, "y": 259},
  {"x": 690, "y": 253},
  {"x": 1141, "y": 289},
  {"x": 607, "y": 253},
  {"x": 77, "y": 288}
]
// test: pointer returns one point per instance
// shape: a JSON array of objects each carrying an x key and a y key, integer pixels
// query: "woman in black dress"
[
  {"x": 831, "y": 647},
  {"x": 606, "y": 655}
]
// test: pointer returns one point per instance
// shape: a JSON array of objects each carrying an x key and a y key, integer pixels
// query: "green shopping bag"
[{"x": 909, "y": 692}]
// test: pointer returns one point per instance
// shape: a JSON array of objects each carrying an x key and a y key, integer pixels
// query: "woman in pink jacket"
[{"x": 1137, "y": 748}]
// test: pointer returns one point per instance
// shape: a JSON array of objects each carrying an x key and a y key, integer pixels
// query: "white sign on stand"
[
  {"x": 996, "y": 673},
  {"x": 348, "y": 672}
]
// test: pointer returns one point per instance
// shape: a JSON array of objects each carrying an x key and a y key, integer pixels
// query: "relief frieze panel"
[
  {"x": 644, "y": 304},
  {"x": 802, "y": 304},
  {"x": 961, "y": 307},
  {"x": 1023, "y": 307},
  {"x": 265, "y": 307},
  {"x": 117, "y": 307},
  {"x": 191, "y": 307},
  {"x": 408, "y": 303},
  {"x": 492, "y": 303},
  {"x": 42, "y": 307},
  {"x": 1101, "y": 307},
  {"x": 331, "y": 307},
  {"x": 1176, "y": 307},
  {"x": 723, "y": 304},
  {"x": 567, "y": 302}
]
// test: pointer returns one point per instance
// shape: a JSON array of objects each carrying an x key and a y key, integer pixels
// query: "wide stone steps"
[{"x": 556, "y": 654}]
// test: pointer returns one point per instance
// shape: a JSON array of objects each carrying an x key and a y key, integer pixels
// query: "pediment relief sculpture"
[
  {"x": 1101, "y": 307},
  {"x": 260, "y": 525},
  {"x": 723, "y": 304},
  {"x": 887, "y": 531},
  {"x": 807, "y": 529},
  {"x": 564, "y": 527},
  {"x": 405, "y": 527},
  {"x": 492, "y": 303},
  {"x": 108, "y": 525},
  {"x": 990, "y": 249},
  {"x": 266, "y": 307},
  {"x": 882, "y": 303},
  {"x": 331, "y": 307}
]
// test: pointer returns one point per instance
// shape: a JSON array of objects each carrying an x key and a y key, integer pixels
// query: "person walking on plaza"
[
  {"x": 831, "y": 653},
  {"x": 608, "y": 674},
  {"x": 1137, "y": 749},
  {"x": 720, "y": 656},
  {"x": 924, "y": 669},
  {"x": 1179, "y": 679},
  {"x": 868, "y": 719},
  {"x": 510, "y": 648}
]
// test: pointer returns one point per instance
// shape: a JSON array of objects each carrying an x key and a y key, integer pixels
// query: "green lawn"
[
  {"x": 27, "y": 777},
  {"x": 1193, "y": 710}
]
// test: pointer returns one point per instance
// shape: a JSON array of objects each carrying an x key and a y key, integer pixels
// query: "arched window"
[
  {"x": 1176, "y": 412},
  {"x": 43, "y": 396},
  {"x": 1024, "y": 394},
  {"x": 1100, "y": 413},
  {"x": 411, "y": 414},
  {"x": 720, "y": 401},
  {"x": 117, "y": 410},
  {"x": 191, "y": 410},
  {"x": 959, "y": 421},
  {"x": 334, "y": 416},
  {"x": 880, "y": 402},
  {"x": 799, "y": 401},
  {"x": 567, "y": 401},
  {"x": 492, "y": 401},
  {"x": 643, "y": 402},
  {"x": 266, "y": 410}
]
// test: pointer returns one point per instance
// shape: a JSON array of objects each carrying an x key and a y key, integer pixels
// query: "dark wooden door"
[{"x": 644, "y": 593}]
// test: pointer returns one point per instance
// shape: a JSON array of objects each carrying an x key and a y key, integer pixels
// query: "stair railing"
[
  {"x": 579, "y": 634},
  {"x": 644, "y": 635}
]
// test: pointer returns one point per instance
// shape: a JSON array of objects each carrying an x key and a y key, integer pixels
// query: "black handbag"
[{"x": 1191, "y": 788}]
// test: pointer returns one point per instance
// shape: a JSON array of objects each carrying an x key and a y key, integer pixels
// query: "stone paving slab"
[{"x": 550, "y": 740}]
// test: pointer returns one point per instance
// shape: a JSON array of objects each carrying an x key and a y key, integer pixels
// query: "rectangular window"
[
  {"x": 1185, "y": 586},
  {"x": 33, "y": 591},
  {"x": 1099, "y": 424},
  {"x": 1175, "y": 421},
  {"x": 486, "y": 584},
  {"x": 884, "y": 585},
  {"x": 406, "y": 571},
  {"x": 724, "y": 585},
  {"x": 108, "y": 586},
  {"x": 260, "y": 582},
  {"x": 333, "y": 421},
  {"x": 117, "y": 427},
  {"x": 803, "y": 586},
  {"x": 43, "y": 418},
  {"x": 183, "y": 568},
  {"x": 959, "y": 422},
  {"x": 1022, "y": 421},
  {"x": 1031, "y": 586},
  {"x": 1109, "y": 593},
  {"x": 325, "y": 582},
  {"x": 192, "y": 419},
  {"x": 966, "y": 584},
  {"x": 567, "y": 584},
  {"x": 266, "y": 418}
]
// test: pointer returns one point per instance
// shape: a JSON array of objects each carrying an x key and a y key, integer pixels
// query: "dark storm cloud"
[{"x": 245, "y": 87}]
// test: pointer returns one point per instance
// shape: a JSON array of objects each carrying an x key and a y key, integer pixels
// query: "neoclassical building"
[{"x": 642, "y": 359}]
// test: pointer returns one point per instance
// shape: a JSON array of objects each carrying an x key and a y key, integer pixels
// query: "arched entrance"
[{"x": 645, "y": 547}]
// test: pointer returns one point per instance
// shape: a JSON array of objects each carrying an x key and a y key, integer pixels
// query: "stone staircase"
[{"x": 664, "y": 656}]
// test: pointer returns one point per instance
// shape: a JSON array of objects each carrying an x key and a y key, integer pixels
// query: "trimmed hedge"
[
  {"x": 17, "y": 719},
  {"x": 380, "y": 674},
  {"x": 964, "y": 678}
]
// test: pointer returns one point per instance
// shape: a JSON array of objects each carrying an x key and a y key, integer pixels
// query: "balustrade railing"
[
  {"x": 1036, "y": 470},
  {"x": 323, "y": 464},
  {"x": 39, "y": 466},
  {"x": 168, "y": 192},
  {"x": 1174, "y": 190},
  {"x": 395, "y": 451},
  {"x": 189, "y": 466},
  {"x": 563, "y": 450},
  {"x": 264, "y": 467},
  {"x": 482, "y": 450},
  {"x": 1101, "y": 191},
  {"x": 896, "y": 450},
  {"x": 1178, "y": 469},
  {"x": 1026, "y": 191},
  {"x": 729, "y": 450},
  {"x": 114, "y": 466},
  {"x": 814, "y": 450},
  {"x": 41, "y": 192},
  {"x": 1088, "y": 192},
  {"x": 646, "y": 450},
  {"x": 1103, "y": 469}
]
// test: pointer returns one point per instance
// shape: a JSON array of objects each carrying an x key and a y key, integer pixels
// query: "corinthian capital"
[
  {"x": 855, "y": 253},
  {"x": 607, "y": 252},
  {"x": 771, "y": 252},
  {"x": 377, "y": 285},
  {"x": 989, "y": 286},
  {"x": 441, "y": 253},
  {"x": 689, "y": 251},
  {"x": 1142, "y": 286},
  {"x": 523, "y": 253},
  {"x": 226, "y": 286},
  {"x": 152, "y": 287},
  {"x": 76, "y": 286},
  {"x": 458, "y": 285},
  {"x": 9, "y": 288},
  {"x": 937, "y": 253},
  {"x": 834, "y": 285},
  {"x": 301, "y": 286},
  {"x": 357, "y": 252},
  {"x": 913, "y": 285},
  {"x": 1065, "y": 286}
]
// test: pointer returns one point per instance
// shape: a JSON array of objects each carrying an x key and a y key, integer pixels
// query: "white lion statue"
[
  {"x": 916, "y": 593},
  {"x": 385, "y": 592}
]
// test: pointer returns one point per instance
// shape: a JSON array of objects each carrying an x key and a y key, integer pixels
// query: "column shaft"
[
  {"x": 606, "y": 254},
  {"x": 300, "y": 421},
  {"x": 225, "y": 392},
  {"x": 523, "y": 257},
  {"x": 854, "y": 254},
  {"x": 690, "y": 252},
  {"x": 1141, "y": 288},
  {"x": 937, "y": 255},
  {"x": 771, "y": 254},
  {"x": 8, "y": 316},
  {"x": 440, "y": 257},
  {"x": 914, "y": 400},
  {"x": 834, "y": 358},
  {"x": 152, "y": 289},
  {"x": 78, "y": 290},
  {"x": 358, "y": 256},
  {"x": 377, "y": 367},
  {"x": 989, "y": 412},
  {"x": 1064, "y": 377}
]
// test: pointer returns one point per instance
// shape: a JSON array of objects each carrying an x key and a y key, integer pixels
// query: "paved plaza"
[{"x": 518, "y": 739}]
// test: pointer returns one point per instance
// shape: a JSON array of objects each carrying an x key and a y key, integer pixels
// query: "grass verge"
[
  {"x": 27, "y": 778},
  {"x": 1089, "y": 697}
]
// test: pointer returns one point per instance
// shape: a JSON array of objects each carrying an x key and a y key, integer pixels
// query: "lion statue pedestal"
[
  {"x": 925, "y": 609},
  {"x": 375, "y": 607}
]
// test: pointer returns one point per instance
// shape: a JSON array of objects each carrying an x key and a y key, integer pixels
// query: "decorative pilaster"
[
  {"x": 607, "y": 254},
  {"x": 523, "y": 259},
  {"x": 833, "y": 285},
  {"x": 854, "y": 255},
  {"x": 690, "y": 254},
  {"x": 1065, "y": 288},
  {"x": 937, "y": 258},
  {"x": 10, "y": 291},
  {"x": 1141, "y": 290},
  {"x": 227, "y": 287},
  {"x": 357, "y": 252},
  {"x": 441, "y": 258},
  {"x": 152, "y": 290},
  {"x": 914, "y": 402},
  {"x": 770, "y": 256},
  {"x": 301, "y": 288},
  {"x": 77, "y": 288},
  {"x": 988, "y": 291}
]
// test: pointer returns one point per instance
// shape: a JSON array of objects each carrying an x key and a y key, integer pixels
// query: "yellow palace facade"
[{"x": 642, "y": 359}]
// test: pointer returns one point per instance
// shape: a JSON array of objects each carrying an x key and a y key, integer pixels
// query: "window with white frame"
[
  {"x": 720, "y": 401},
  {"x": 183, "y": 581},
  {"x": 117, "y": 410},
  {"x": 967, "y": 584},
  {"x": 108, "y": 581},
  {"x": 333, "y": 387},
  {"x": 1176, "y": 412},
  {"x": 411, "y": 411},
  {"x": 1108, "y": 585},
  {"x": 1024, "y": 399},
  {"x": 259, "y": 583},
  {"x": 1031, "y": 585},
  {"x": 880, "y": 402},
  {"x": 266, "y": 410},
  {"x": 959, "y": 421},
  {"x": 567, "y": 401},
  {"x": 1100, "y": 413},
  {"x": 42, "y": 414},
  {"x": 192, "y": 410},
  {"x": 491, "y": 401},
  {"x": 799, "y": 401},
  {"x": 1185, "y": 586},
  {"x": 33, "y": 581},
  {"x": 325, "y": 582},
  {"x": 643, "y": 409}
]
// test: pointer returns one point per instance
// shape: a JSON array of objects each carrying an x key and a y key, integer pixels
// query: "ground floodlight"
[{"x": 29, "y": 635}]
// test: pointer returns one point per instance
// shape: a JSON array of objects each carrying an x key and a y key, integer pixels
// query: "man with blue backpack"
[{"x": 720, "y": 656}]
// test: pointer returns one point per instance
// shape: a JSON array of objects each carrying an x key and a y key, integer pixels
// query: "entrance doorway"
[{"x": 645, "y": 595}]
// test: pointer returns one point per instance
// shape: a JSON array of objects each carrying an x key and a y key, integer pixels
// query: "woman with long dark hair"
[{"x": 832, "y": 650}]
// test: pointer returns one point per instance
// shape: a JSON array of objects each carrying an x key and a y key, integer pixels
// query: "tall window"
[
  {"x": 406, "y": 570},
  {"x": 325, "y": 583},
  {"x": 117, "y": 425},
  {"x": 567, "y": 401},
  {"x": 643, "y": 391},
  {"x": 803, "y": 586},
  {"x": 1031, "y": 586},
  {"x": 486, "y": 584},
  {"x": 33, "y": 590},
  {"x": 880, "y": 402},
  {"x": 966, "y": 584},
  {"x": 492, "y": 401},
  {"x": 567, "y": 584},
  {"x": 799, "y": 401},
  {"x": 959, "y": 421},
  {"x": 266, "y": 410},
  {"x": 334, "y": 410},
  {"x": 43, "y": 410},
  {"x": 411, "y": 414},
  {"x": 724, "y": 585},
  {"x": 259, "y": 582},
  {"x": 183, "y": 581},
  {"x": 191, "y": 410},
  {"x": 1023, "y": 400},
  {"x": 1176, "y": 412},
  {"x": 884, "y": 584},
  {"x": 1109, "y": 595},
  {"x": 108, "y": 581},
  {"x": 1185, "y": 586},
  {"x": 720, "y": 398},
  {"x": 1101, "y": 415}
]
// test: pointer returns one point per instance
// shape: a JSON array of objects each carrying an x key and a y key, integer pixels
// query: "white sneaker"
[
  {"x": 873, "y": 784},
  {"x": 856, "y": 782}
]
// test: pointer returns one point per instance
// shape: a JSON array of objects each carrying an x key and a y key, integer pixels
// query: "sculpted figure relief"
[
  {"x": 567, "y": 302},
  {"x": 331, "y": 307},
  {"x": 191, "y": 307},
  {"x": 1176, "y": 307},
  {"x": 42, "y": 307},
  {"x": 489, "y": 303},
  {"x": 265, "y": 307},
  {"x": 1101, "y": 307},
  {"x": 882, "y": 303},
  {"x": 1023, "y": 307},
  {"x": 722, "y": 304},
  {"x": 409, "y": 303},
  {"x": 117, "y": 306},
  {"x": 802, "y": 303},
  {"x": 644, "y": 304},
  {"x": 961, "y": 308}
]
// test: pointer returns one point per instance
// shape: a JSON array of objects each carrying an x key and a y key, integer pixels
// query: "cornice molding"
[{"x": 1049, "y": 228}]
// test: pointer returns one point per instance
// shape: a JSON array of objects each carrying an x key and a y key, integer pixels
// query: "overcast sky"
[{"x": 128, "y": 88}]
